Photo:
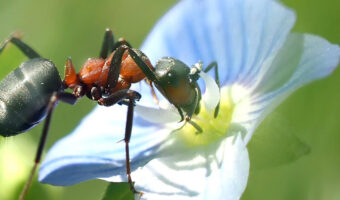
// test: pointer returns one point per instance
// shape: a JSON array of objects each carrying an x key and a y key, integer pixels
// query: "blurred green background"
[{"x": 294, "y": 154}]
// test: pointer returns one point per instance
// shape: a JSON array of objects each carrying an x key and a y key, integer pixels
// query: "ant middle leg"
[
  {"x": 119, "y": 96},
  {"x": 120, "y": 42},
  {"x": 131, "y": 96},
  {"x": 127, "y": 137},
  {"x": 115, "y": 66},
  {"x": 108, "y": 43},
  {"x": 24, "y": 48}
]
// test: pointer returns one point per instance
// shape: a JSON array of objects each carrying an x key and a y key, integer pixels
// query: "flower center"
[{"x": 213, "y": 128}]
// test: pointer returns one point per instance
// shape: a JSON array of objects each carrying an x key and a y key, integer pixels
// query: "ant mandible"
[{"x": 30, "y": 92}]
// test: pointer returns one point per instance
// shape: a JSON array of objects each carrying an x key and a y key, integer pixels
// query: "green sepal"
[
  {"x": 275, "y": 143},
  {"x": 118, "y": 191}
]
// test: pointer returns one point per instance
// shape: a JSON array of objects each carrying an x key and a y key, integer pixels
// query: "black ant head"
[{"x": 170, "y": 72}]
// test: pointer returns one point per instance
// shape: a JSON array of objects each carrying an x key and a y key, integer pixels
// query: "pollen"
[{"x": 213, "y": 128}]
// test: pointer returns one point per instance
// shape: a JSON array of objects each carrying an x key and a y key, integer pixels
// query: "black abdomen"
[{"x": 24, "y": 95}]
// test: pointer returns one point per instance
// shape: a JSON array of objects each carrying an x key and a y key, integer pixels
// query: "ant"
[{"x": 30, "y": 92}]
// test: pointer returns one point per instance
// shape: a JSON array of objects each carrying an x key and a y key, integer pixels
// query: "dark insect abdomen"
[{"x": 25, "y": 93}]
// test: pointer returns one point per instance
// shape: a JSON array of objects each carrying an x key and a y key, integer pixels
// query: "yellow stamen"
[{"x": 213, "y": 128}]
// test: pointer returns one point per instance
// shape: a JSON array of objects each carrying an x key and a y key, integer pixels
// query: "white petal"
[
  {"x": 93, "y": 150},
  {"x": 302, "y": 59},
  {"x": 234, "y": 171},
  {"x": 159, "y": 115},
  {"x": 211, "y": 97},
  {"x": 219, "y": 171}
]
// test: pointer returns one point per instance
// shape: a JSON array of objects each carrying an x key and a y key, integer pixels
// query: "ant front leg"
[
  {"x": 209, "y": 67},
  {"x": 153, "y": 92},
  {"x": 144, "y": 67},
  {"x": 24, "y": 48},
  {"x": 56, "y": 96}
]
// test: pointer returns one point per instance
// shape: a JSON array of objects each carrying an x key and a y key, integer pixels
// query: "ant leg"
[
  {"x": 148, "y": 73},
  {"x": 128, "y": 130},
  {"x": 108, "y": 44},
  {"x": 115, "y": 66},
  {"x": 114, "y": 98},
  {"x": 153, "y": 92},
  {"x": 25, "y": 49},
  {"x": 56, "y": 96},
  {"x": 144, "y": 67},
  {"x": 209, "y": 67},
  {"x": 118, "y": 96},
  {"x": 114, "y": 70},
  {"x": 120, "y": 42},
  {"x": 152, "y": 78}
]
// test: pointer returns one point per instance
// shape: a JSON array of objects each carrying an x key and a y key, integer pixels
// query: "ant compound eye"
[
  {"x": 171, "y": 74},
  {"x": 172, "y": 78}
]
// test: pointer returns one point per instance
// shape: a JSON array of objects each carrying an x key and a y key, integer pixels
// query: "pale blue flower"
[{"x": 260, "y": 64}]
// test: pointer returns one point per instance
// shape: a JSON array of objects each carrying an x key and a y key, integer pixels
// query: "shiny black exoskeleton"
[
  {"x": 178, "y": 83},
  {"x": 25, "y": 94},
  {"x": 30, "y": 92}
]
